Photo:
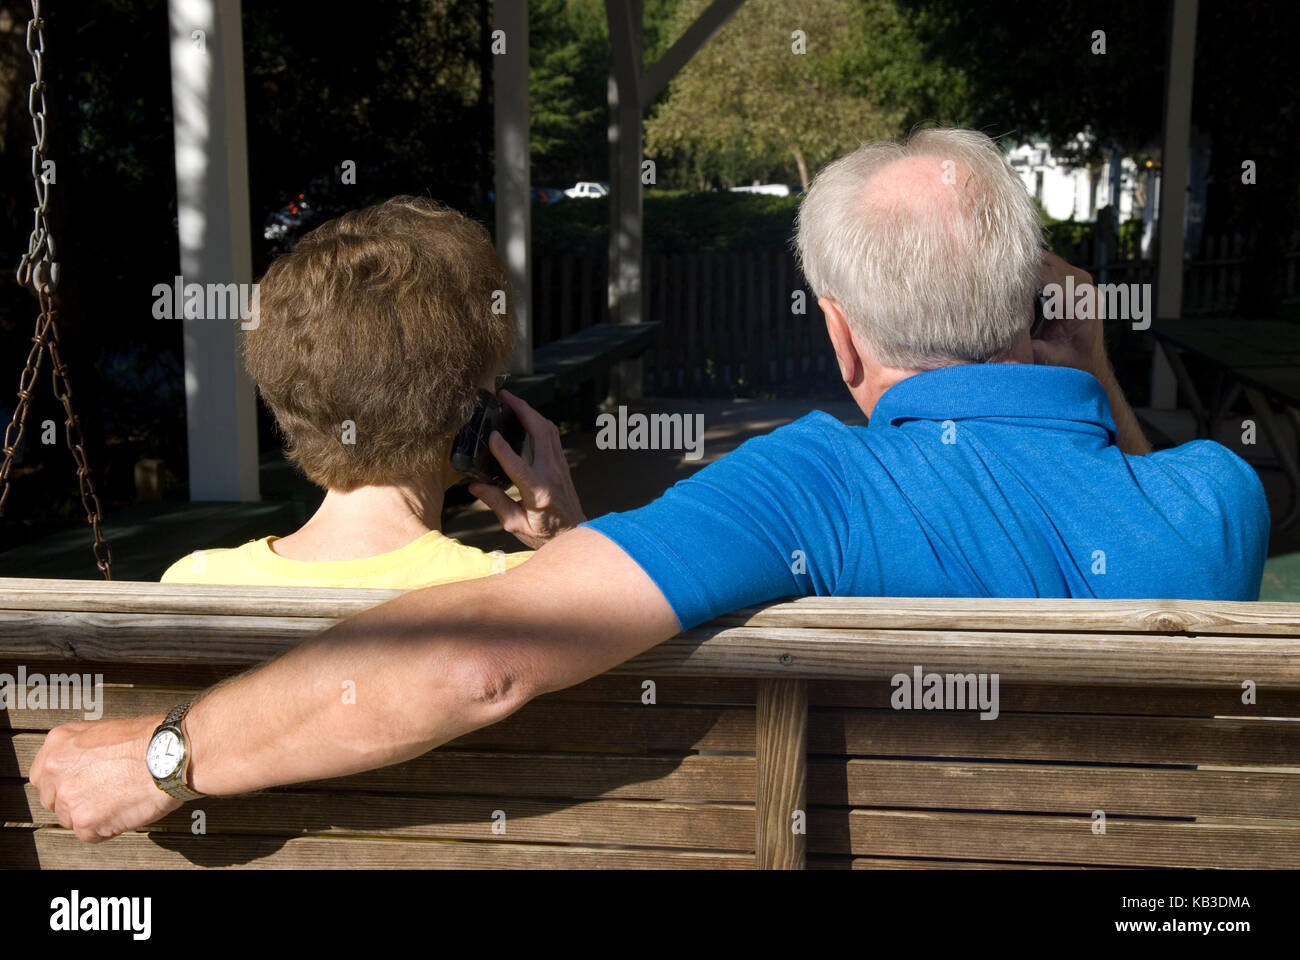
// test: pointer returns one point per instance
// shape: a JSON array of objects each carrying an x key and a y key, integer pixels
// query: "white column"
[
  {"x": 1174, "y": 164},
  {"x": 207, "y": 64},
  {"x": 512, "y": 174}
]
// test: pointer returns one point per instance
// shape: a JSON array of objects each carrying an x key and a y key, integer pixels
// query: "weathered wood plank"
[
  {"x": 539, "y": 775},
  {"x": 1045, "y": 839},
  {"x": 1057, "y": 658},
  {"x": 554, "y": 724},
  {"x": 1015, "y": 698},
  {"x": 782, "y": 774},
  {"x": 637, "y": 823},
  {"x": 53, "y": 848},
  {"x": 988, "y": 613},
  {"x": 894, "y": 613},
  {"x": 1041, "y": 788},
  {"x": 766, "y": 652},
  {"x": 607, "y": 688},
  {"x": 1062, "y": 737},
  {"x": 134, "y": 596},
  {"x": 1224, "y": 700},
  {"x": 902, "y": 863}
]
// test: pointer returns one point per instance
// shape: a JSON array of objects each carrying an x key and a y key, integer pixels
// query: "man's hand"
[
  {"x": 93, "y": 777},
  {"x": 1081, "y": 344},
  {"x": 548, "y": 503},
  {"x": 1070, "y": 341}
]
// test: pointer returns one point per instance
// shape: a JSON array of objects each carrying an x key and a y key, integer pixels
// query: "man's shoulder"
[
  {"x": 814, "y": 430},
  {"x": 1210, "y": 459},
  {"x": 1212, "y": 471}
]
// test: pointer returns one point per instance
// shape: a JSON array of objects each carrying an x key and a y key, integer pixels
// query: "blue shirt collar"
[{"x": 999, "y": 390}]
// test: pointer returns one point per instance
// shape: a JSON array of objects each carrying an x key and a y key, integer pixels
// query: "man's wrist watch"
[{"x": 168, "y": 756}]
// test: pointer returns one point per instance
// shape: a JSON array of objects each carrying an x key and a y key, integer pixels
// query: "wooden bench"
[
  {"x": 579, "y": 359},
  {"x": 763, "y": 721}
]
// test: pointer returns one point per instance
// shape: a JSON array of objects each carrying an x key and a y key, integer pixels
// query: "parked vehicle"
[
  {"x": 587, "y": 189},
  {"x": 771, "y": 189}
]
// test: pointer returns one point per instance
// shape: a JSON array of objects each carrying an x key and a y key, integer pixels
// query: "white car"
[
  {"x": 771, "y": 189},
  {"x": 587, "y": 188}
]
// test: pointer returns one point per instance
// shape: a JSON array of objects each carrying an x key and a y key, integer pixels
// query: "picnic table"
[{"x": 1257, "y": 359}]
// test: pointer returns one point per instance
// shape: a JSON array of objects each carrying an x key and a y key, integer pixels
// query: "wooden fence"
[{"x": 746, "y": 320}]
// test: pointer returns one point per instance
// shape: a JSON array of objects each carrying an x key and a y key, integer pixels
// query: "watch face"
[{"x": 164, "y": 754}]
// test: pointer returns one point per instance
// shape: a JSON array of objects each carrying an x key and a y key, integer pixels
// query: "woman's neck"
[{"x": 365, "y": 522}]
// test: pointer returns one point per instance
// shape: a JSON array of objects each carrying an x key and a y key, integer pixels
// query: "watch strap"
[{"x": 177, "y": 788}]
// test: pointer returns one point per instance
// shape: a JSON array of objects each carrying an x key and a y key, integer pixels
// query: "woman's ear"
[{"x": 846, "y": 351}]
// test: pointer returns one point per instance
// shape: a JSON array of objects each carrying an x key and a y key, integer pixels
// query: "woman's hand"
[{"x": 548, "y": 503}]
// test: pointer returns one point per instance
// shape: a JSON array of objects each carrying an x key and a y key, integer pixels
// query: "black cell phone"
[{"x": 470, "y": 453}]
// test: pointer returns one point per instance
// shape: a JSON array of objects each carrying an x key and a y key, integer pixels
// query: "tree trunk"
[{"x": 803, "y": 168}]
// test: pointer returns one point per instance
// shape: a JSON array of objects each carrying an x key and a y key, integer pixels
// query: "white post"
[
  {"x": 512, "y": 175},
  {"x": 1174, "y": 163},
  {"x": 207, "y": 64}
]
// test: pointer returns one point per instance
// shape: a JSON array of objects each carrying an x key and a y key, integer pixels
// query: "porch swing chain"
[{"x": 39, "y": 268}]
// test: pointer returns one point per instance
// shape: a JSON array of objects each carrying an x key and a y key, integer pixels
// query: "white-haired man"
[{"x": 992, "y": 465}]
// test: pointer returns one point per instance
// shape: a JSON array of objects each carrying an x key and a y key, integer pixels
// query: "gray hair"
[{"x": 925, "y": 283}]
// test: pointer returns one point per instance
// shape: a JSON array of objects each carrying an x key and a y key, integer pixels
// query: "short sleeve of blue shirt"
[{"x": 763, "y": 522}]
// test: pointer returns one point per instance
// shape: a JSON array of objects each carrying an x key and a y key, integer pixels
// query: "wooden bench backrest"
[{"x": 763, "y": 721}]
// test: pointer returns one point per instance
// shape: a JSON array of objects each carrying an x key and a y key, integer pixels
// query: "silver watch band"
[{"x": 179, "y": 789}]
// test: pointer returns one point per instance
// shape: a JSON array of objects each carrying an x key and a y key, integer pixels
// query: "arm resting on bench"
[{"x": 426, "y": 668}]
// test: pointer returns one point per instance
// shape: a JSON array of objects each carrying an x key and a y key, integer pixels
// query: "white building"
[{"x": 1071, "y": 192}]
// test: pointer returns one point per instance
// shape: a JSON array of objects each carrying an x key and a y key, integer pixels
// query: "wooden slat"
[
  {"x": 762, "y": 652},
  {"x": 504, "y": 774},
  {"x": 1059, "y": 658},
  {"x": 180, "y": 677},
  {"x": 591, "y": 351},
  {"x": 126, "y": 596},
  {"x": 1087, "y": 698},
  {"x": 1265, "y": 744},
  {"x": 152, "y": 637},
  {"x": 963, "y": 615},
  {"x": 1045, "y": 839},
  {"x": 1060, "y": 737},
  {"x": 1041, "y": 788},
  {"x": 903, "y": 863},
  {"x": 1069, "y": 616},
  {"x": 607, "y": 688},
  {"x": 782, "y": 772},
  {"x": 553, "y": 724},
  {"x": 58, "y": 849},
  {"x": 1014, "y": 698},
  {"x": 635, "y": 823}
]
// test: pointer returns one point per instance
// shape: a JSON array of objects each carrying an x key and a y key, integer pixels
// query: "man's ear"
[{"x": 846, "y": 351}]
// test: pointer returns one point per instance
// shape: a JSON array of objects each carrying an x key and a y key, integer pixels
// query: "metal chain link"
[{"x": 39, "y": 269}]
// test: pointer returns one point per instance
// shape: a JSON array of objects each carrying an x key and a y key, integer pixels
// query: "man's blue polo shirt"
[{"x": 978, "y": 480}]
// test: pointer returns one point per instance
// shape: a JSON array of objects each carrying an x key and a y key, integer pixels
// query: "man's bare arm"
[
  {"x": 424, "y": 668},
  {"x": 1128, "y": 431}
]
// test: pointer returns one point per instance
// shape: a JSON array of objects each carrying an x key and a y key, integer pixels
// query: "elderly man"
[{"x": 993, "y": 465}]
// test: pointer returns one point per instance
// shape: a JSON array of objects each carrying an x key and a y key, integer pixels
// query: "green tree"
[{"x": 780, "y": 90}]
